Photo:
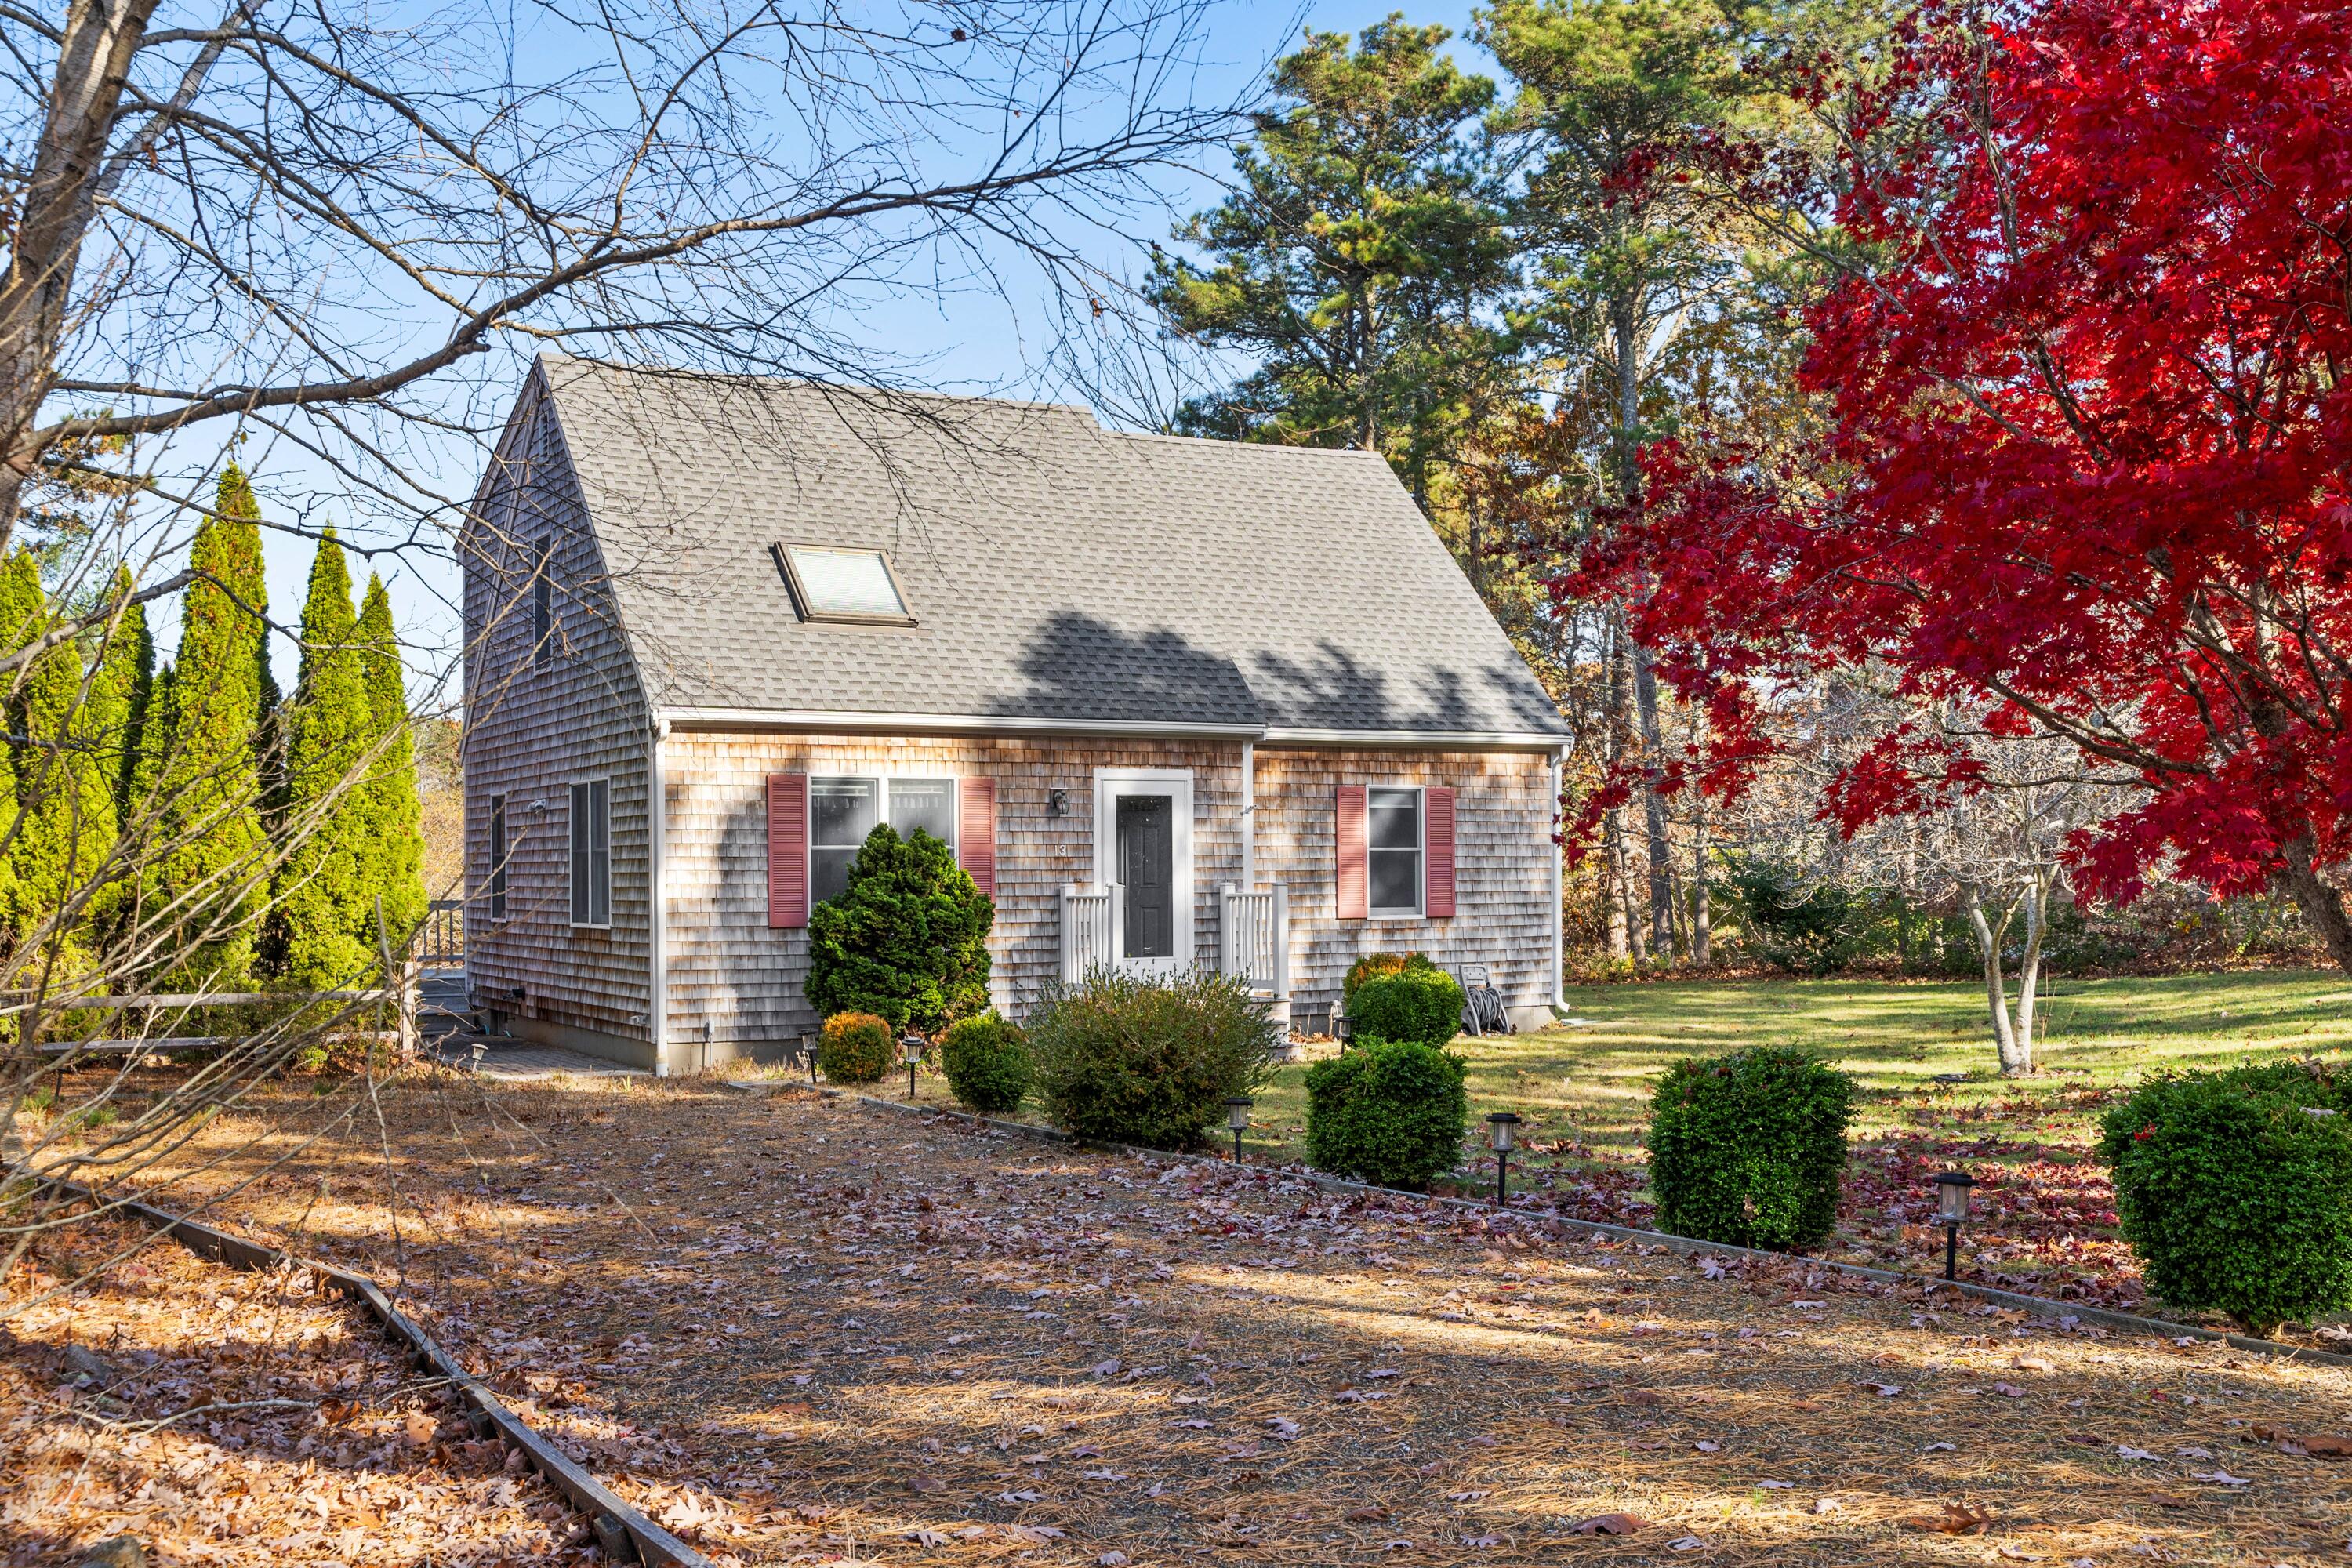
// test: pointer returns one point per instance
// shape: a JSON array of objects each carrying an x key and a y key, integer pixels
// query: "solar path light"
[
  {"x": 1500, "y": 1128},
  {"x": 1952, "y": 1188},
  {"x": 1237, "y": 1113}
]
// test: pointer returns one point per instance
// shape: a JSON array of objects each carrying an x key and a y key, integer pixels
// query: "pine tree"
[
  {"x": 395, "y": 817},
  {"x": 210, "y": 774},
  {"x": 66, "y": 778},
  {"x": 326, "y": 890}
]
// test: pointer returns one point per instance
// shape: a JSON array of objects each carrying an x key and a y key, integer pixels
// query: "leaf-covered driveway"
[{"x": 806, "y": 1330}]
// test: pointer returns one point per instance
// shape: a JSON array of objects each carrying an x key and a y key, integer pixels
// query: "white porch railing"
[
  {"x": 1254, "y": 938},
  {"x": 1093, "y": 929}
]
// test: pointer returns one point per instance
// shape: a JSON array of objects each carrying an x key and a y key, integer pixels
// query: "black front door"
[{"x": 1146, "y": 864}]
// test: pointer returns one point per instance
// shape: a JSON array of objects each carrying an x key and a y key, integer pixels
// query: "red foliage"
[{"x": 2090, "y": 428}]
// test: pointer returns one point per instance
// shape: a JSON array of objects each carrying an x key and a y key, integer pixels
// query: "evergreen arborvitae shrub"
[
  {"x": 855, "y": 1048},
  {"x": 907, "y": 938},
  {"x": 1747, "y": 1149},
  {"x": 1419, "y": 1002},
  {"x": 1389, "y": 1112},
  {"x": 395, "y": 817},
  {"x": 987, "y": 1064},
  {"x": 1378, "y": 966},
  {"x": 211, "y": 769},
  {"x": 327, "y": 882},
  {"x": 2235, "y": 1195},
  {"x": 1125, "y": 1059}
]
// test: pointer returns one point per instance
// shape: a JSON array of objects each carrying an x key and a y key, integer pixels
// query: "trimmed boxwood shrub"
[
  {"x": 1746, "y": 1149},
  {"x": 1128, "y": 1061},
  {"x": 1377, "y": 967},
  {"x": 855, "y": 1048},
  {"x": 2235, "y": 1196},
  {"x": 987, "y": 1063},
  {"x": 1419, "y": 1002},
  {"x": 1389, "y": 1112}
]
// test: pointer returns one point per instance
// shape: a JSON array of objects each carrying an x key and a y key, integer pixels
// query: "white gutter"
[
  {"x": 818, "y": 719},
  {"x": 658, "y": 946},
  {"x": 1422, "y": 740}
]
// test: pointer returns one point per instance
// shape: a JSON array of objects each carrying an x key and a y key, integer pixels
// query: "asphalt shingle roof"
[{"x": 1057, "y": 570}]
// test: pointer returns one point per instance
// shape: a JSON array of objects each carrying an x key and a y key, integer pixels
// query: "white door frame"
[{"x": 1177, "y": 784}]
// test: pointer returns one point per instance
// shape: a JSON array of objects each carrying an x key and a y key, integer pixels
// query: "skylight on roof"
[{"x": 831, "y": 583}]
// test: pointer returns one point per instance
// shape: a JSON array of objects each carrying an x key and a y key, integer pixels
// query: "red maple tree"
[{"x": 2088, "y": 451}]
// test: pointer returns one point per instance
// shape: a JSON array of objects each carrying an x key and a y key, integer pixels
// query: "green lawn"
[{"x": 1590, "y": 1083}]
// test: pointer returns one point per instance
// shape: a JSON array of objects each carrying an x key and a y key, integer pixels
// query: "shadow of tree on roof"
[
  {"x": 1337, "y": 692},
  {"x": 1079, "y": 668}
]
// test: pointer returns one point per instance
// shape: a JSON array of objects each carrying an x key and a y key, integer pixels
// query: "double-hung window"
[
  {"x": 1395, "y": 854},
  {"x": 844, "y": 808},
  {"x": 591, "y": 853},
  {"x": 498, "y": 857}
]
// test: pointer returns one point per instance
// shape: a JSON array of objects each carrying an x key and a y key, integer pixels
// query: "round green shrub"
[
  {"x": 987, "y": 1063},
  {"x": 855, "y": 1048},
  {"x": 1123, "y": 1059},
  {"x": 905, "y": 941},
  {"x": 1389, "y": 1112},
  {"x": 1746, "y": 1149},
  {"x": 1377, "y": 967},
  {"x": 2236, "y": 1197},
  {"x": 1419, "y": 1002}
]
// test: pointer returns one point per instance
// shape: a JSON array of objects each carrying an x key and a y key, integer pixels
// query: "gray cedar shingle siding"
[
  {"x": 730, "y": 969},
  {"x": 530, "y": 730}
]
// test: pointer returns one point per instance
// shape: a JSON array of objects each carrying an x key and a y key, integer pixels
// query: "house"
[{"x": 1173, "y": 702}]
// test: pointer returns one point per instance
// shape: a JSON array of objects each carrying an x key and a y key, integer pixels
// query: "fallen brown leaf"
[
  {"x": 1954, "y": 1520},
  {"x": 1609, "y": 1524}
]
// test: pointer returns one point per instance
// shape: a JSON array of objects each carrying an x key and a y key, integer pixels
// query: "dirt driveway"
[{"x": 804, "y": 1329}]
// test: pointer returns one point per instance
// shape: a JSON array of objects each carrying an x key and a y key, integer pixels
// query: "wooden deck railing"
[{"x": 1254, "y": 938}]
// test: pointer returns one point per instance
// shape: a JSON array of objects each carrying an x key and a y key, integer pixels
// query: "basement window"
[{"x": 832, "y": 584}]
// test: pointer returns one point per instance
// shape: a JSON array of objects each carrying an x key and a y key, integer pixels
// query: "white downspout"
[
  {"x": 658, "y": 945},
  {"x": 1558, "y": 948},
  {"x": 1249, "y": 818}
]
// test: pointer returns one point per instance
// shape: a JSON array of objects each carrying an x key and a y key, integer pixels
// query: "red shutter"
[
  {"x": 1437, "y": 898},
  {"x": 976, "y": 831},
  {"x": 788, "y": 860},
  {"x": 1353, "y": 869}
]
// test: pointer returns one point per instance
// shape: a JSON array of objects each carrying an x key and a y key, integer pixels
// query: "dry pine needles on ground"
[
  {"x": 221, "y": 1417},
  {"x": 798, "y": 1330}
]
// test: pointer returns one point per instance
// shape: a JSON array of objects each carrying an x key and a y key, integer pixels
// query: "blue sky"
[{"x": 963, "y": 342}]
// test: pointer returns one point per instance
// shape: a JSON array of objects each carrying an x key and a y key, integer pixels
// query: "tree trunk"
[
  {"x": 2029, "y": 973},
  {"x": 1653, "y": 806},
  {"x": 1988, "y": 935},
  {"x": 2322, "y": 906},
  {"x": 1700, "y": 933},
  {"x": 1618, "y": 732},
  {"x": 93, "y": 67}
]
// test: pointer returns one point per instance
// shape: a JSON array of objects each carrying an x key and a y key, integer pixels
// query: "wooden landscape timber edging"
[
  {"x": 622, "y": 1531},
  {"x": 2039, "y": 1306}
]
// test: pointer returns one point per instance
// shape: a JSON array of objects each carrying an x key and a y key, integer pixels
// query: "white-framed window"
[
  {"x": 591, "y": 853},
  {"x": 1396, "y": 850},
  {"x": 497, "y": 885},
  {"x": 845, "y": 807}
]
